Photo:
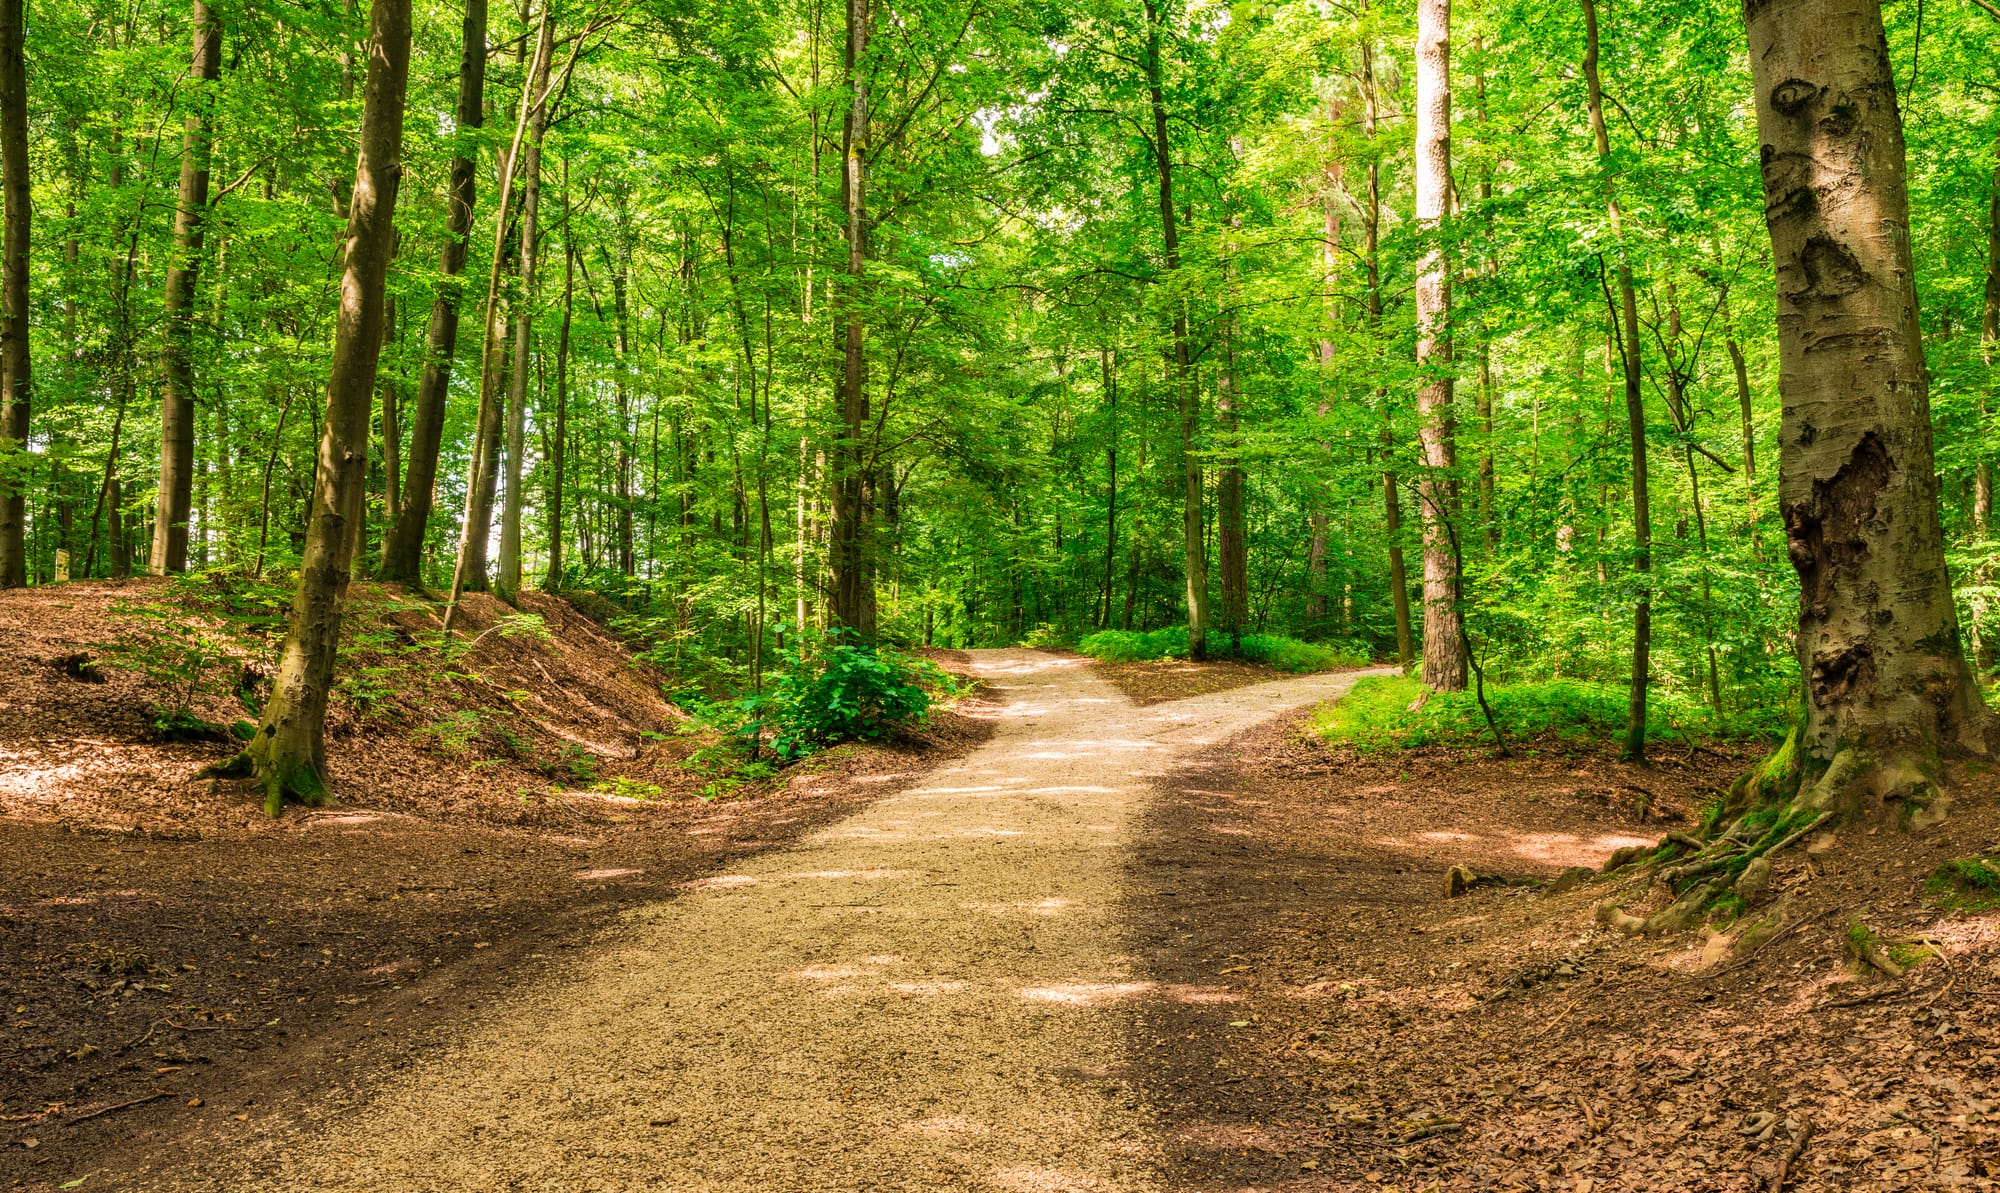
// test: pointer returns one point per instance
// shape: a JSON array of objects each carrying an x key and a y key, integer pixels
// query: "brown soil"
[
  {"x": 176, "y": 960},
  {"x": 1373, "y": 1034},
  {"x": 1155, "y": 681}
]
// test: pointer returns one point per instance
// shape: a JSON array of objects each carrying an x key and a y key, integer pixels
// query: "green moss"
[
  {"x": 1968, "y": 883},
  {"x": 1726, "y": 909}
]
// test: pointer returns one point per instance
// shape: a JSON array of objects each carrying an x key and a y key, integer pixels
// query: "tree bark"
[
  {"x": 1444, "y": 649},
  {"x": 1107, "y": 361},
  {"x": 484, "y": 470},
  {"x": 1627, "y": 324},
  {"x": 1989, "y": 351},
  {"x": 1886, "y": 682},
  {"x": 559, "y": 445},
  {"x": 1371, "y": 256},
  {"x": 1232, "y": 548},
  {"x": 507, "y": 581},
  {"x": 15, "y": 375},
  {"x": 848, "y": 548},
  {"x": 170, "y": 522},
  {"x": 392, "y": 429},
  {"x": 403, "y": 547},
  {"x": 1194, "y": 543},
  {"x": 287, "y": 755}
]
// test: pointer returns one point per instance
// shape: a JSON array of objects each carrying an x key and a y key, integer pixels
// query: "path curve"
[{"x": 920, "y": 997}]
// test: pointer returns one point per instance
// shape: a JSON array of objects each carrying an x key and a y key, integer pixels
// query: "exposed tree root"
[{"x": 1800, "y": 1138}]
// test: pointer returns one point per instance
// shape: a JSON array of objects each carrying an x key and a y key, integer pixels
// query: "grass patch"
[
  {"x": 1272, "y": 650},
  {"x": 1966, "y": 883},
  {"x": 1376, "y": 715}
]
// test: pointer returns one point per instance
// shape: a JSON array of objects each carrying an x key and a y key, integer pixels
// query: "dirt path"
[{"x": 921, "y": 996}]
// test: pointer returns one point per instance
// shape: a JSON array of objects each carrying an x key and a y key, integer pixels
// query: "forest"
[{"x": 1349, "y": 440}]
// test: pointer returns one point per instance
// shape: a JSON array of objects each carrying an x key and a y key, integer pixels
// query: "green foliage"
[
  {"x": 1272, "y": 650},
  {"x": 182, "y": 659},
  {"x": 847, "y": 692},
  {"x": 626, "y": 788},
  {"x": 1376, "y": 714}
]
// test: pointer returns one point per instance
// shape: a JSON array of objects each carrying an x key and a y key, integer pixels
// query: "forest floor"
[{"x": 1145, "y": 936}]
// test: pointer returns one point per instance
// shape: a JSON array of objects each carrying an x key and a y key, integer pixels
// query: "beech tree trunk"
[
  {"x": 848, "y": 550},
  {"x": 1110, "y": 373},
  {"x": 403, "y": 547},
  {"x": 1989, "y": 350},
  {"x": 1195, "y": 545},
  {"x": 559, "y": 444},
  {"x": 170, "y": 521},
  {"x": 15, "y": 374},
  {"x": 483, "y": 473},
  {"x": 1887, "y": 687},
  {"x": 1232, "y": 548},
  {"x": 1371, "y": 257},
  {"x": 507, "y": 581},
  {"x": 1627, "y": 323},
  {"x": 1444, "y": 644},
  {"x": 287, "y": 755}
]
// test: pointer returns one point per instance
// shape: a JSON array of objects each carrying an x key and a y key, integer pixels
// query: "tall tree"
[
  {"x": 403, "y": 546},
  {"x": 287, "y": 755},
  {"x": 508, "y": 580},
  {"x": 1625, "y": 322},
  {"x": 849, "y": 549},
  {"x": 1444, "y": 649},
  {"x": 1887, "y": 689},
  {"x": 175, "y": 503},
  {"x": 15, "y": 374},
  {"x": 1194, "y": 542}
]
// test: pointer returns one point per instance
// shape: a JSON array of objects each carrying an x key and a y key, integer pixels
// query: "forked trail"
[{"x": 923, "y": 996}]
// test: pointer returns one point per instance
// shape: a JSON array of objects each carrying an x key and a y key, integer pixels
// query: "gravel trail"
[{"x": 924, "y": 996}]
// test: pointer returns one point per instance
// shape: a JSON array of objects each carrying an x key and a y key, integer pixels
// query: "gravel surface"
[{"x": 927, "y": 995}]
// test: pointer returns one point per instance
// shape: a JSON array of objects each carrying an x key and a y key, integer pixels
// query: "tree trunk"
[
  {"x": 483, "y": 473},
  {"x": 1626, "y": 325},
  {"x": 392, "y": 429},
  {"x": 1989, "y": 351},
  {"x": 15, "y": 376},
  {"x": 508, "y": 578},
  {"x": 170, "y": 523},
  {"x": 1194, "y": 543},
  {"x": 1371, "y": 256},
  {"x": 848, "y": 548},
  {"x": 1106, "y": 360},
  {"x": 1444, "y": 648},
  {"x": 403, "y": 547},
  {"x": 1231, "y": 537},
  {"x": 559, "y": 446},
  {"x": 287, "y": 756},
  {"x": 1887, "y": 686},
  {"x": 621, "y": 272}
]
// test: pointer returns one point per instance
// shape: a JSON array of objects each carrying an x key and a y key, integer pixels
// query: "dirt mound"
[{"x": 103, "y": 684}]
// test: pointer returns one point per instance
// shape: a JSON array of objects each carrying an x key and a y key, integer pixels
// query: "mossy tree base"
[{"x": 282, "y": 780}]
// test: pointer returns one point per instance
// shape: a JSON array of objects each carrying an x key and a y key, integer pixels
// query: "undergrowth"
[
  {"x": 1966, "y": 884},
  {"x": 1377, "y": 714},
  {"x": 1272, "y": 650}
]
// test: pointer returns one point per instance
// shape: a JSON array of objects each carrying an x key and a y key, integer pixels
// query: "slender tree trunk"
[
  {"x": 1317, "y": 520},
  {"x": 15, "y": 377},
  {"x": 470, "y": 570},
  {"x": 559, "y": 446},
  {"x": 508, "y": 579},
  {"x": 621, "y": 271},
  {"x": 170, "y": 522},
  {"x": 403, "y": 547},
  {"x": 1371, "y": 255},
  {"x": 1194, "y": 542},
  {"x": 1627, "y": 326},
  {"x": 287, "y": 755},
  {"x": 1444, "y": 649},
  {"x": 1232, "y": 547},
  {"x": 1989, "y": 351},
  {"x": 849, "y": 548},
  {"x": 392, "y": 429},
  {"x": 1107, "y": 360},
  {"x": 1887, "y": 686}
]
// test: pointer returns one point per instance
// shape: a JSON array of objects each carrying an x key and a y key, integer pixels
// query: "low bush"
[
  {"x": 1376, "y": 714},
  {"x": 1272, "y": 650},
  {"x": 846, "y": 692}
]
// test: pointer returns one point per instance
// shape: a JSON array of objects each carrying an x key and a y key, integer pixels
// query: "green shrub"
[
  {"x": 845, "y": 693},
  {"x": 1272, "y": 650},
  {"x": 1376, "y": 715}
]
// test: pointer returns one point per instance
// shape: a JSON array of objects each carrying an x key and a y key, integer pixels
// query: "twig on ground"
[
  {"x": 1550, "y": 1025},
  {"x": 1792, "y": 1154},
  {"x": 152, "y": 1097},
  {"x": 1431, "y": 1131},
  {"x": 1589, "y": 1118}
]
